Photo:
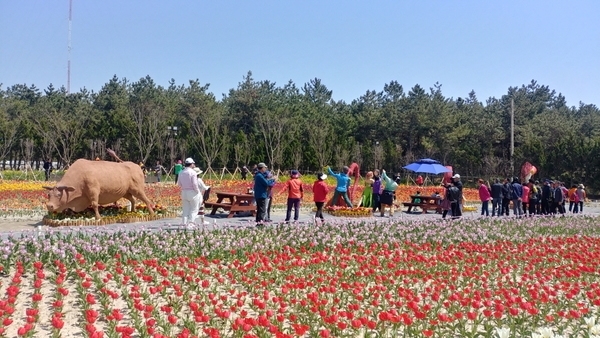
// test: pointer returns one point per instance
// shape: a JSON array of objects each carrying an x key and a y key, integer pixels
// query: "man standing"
[
  {"x": 557, "y": 199},
  {"x": 517, "y": 197},
  {"x": 497, "y": 198},
  {"x": 458, "y": 184},
  {"x": 244, "y": 171},
  {"x": 506, "y": 195},
  {"x": 47, "y": 168},
  {"x": 261, "y": 184},
  {"x": 547, "y": 196},
  {"x": 190, "y": 192}
]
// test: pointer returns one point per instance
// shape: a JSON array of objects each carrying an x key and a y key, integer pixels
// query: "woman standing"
[
  {"x": 484, "y": 196},
  {"x": 320, "y": 190},
  {"x": 367, "y": 197}
]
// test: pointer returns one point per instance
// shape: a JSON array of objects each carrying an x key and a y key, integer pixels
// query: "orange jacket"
[{"x": 294, "y": 187}]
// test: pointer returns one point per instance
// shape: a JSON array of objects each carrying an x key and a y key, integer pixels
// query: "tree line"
[{"x": 302, "y": 127}]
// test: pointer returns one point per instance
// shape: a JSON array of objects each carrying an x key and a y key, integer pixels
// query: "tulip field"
[
  {"x": 468, "y": 278},
  {"x": 392, "y": 277}
]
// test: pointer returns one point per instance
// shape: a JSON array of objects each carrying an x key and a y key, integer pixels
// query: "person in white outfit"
[
  {"x": 203, "y": 188},
  {"x": 190, "y": 192}
]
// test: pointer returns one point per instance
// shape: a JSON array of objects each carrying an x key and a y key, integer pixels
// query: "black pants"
[
  {"x": 319, "y": 213},
  {"x": 455, "y": 210},
  {"x": 376, "y": 202},
  {"x": 47, "y": 173},
  {"x": 261, "y": 209},
  {"x": 292, "y": 203},
  {"x": 176, "y": 178},
  {"x": 532, "y": 207},
  {"x": 505, "y": 206},
  {"x": 546, "y": 207}
]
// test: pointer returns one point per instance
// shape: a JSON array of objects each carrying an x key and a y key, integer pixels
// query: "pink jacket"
[
  {"x": 525, "y": 198},
  {"x": 484, "y": 193}
]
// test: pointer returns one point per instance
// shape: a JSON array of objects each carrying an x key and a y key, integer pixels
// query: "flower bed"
[
  {"x": 468, "y": 278},
  {"x": 349, "y": 212},
  {"x": 110, "y": 215}
]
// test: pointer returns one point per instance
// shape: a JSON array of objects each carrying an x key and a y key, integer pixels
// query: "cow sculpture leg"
[
  {"x": 141, "y": 195},
  {"x": 95, "y": 207},
  {"x": 131, "y": 200}
]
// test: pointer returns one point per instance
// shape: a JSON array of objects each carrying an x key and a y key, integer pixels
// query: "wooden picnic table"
[
  {"x": 232, "y": 202},
  {"x": 426, "y": 203}
]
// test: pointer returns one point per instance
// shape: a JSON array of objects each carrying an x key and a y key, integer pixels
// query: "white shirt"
[{"x": 188, "y": 180}]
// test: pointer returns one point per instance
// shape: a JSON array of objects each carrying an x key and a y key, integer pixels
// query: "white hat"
[
  {"x": 456, "y": 176},
  {"x": 323, "y": 177},
  {"x": 198, "y": 171},
  {"x": 189, "y": 160}
]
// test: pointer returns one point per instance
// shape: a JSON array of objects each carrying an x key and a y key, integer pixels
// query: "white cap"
[
  {"x": 189, "y": 160},
  {"x": 323, "y": 177},
  {"x": 456, "y": 176},
  {"x": 198, "y": 171}
]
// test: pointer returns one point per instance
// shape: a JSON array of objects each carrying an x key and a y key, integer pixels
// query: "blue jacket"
[
  {"x": 343, "y": 181},
  {"x": 517, "y": 191},
  {"x": 260, "y": 186}
]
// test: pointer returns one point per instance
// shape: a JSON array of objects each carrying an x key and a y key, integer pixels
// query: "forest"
[{"x": 291, "y": 126}]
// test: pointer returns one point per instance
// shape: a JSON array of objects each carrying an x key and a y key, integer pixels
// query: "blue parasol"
[{"x": 427, "y": 166}]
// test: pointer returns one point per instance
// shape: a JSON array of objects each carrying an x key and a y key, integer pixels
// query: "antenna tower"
[{"x": 69, "y": 48}]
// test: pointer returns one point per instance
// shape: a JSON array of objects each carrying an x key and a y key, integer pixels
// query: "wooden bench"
[
  {"x": 237, "y": 203},
  {"x": 424, "y": 207}
]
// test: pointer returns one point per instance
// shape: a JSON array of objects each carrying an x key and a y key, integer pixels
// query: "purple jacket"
[{"x": 377, "y": 186}]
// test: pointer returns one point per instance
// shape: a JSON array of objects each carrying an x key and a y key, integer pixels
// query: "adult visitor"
[
  {"x": 190, "y": 192},
  {"x": 261, "y": 185},
  {"x": 177, "y": 169}
]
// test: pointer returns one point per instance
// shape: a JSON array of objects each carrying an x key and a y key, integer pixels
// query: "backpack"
[{"x": 533, "y": 192}]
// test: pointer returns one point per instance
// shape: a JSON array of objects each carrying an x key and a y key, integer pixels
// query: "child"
[
  {"x": 320, "y": 190},
  {"x": 295, "y": 195}
]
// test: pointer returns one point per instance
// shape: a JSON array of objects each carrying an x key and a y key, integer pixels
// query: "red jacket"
[{"x": 320, "y": 190}]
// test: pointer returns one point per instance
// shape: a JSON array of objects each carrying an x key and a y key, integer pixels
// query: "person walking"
[
  {"x": 573, "y": 199},
  {"x": 320, "y": 190},
  {"x": 261, "y": 183},
  {"x": 295, "y": 195},
  {"x": 343, "y": 183},
  {"x": 497, "y": 198},
  {"x": 244, "y": 171},
  {"x": 525, "y": 198},
  {"x": 534, "y": 194},
  {"x": 190, "y": 192},
  {"x": 177, "y": 170},
  {"x": 484, "y": 197},
  {"x": 269, "y": 176}
]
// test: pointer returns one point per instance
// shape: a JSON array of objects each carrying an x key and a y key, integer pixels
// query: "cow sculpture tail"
[{"x": 114, "y": 155}]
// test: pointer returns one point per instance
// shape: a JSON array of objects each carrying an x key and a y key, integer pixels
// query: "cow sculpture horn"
[{"x": 62, "y": 187}]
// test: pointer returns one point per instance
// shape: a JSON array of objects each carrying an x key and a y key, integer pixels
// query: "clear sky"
[{"x": 352, "y": 46}]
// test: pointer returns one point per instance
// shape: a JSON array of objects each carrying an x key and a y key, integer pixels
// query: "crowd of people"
[
  {"x": 530, "y": 198},
  {"x": 525, "y": 199}
]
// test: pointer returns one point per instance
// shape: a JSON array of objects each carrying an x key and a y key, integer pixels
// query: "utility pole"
[
  {"x": 69, "y": 48},
  {"x": 512, "y": 137}
]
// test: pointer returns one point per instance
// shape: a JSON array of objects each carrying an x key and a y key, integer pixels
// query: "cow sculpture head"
[{"x": 58, "y": 198}]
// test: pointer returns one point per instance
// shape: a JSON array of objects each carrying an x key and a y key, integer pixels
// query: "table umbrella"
[{"x": 427, "y": 166}]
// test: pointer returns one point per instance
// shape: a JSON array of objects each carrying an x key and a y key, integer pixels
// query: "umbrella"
[{"x": 428, "y": 166}]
